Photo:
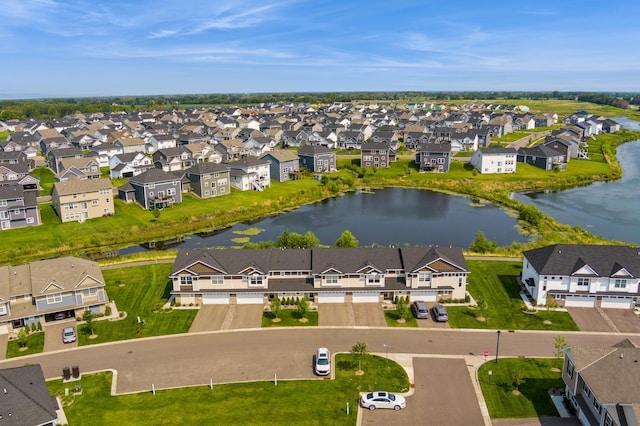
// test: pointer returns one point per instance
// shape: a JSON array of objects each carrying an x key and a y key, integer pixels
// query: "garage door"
[
  {"x": 615, "y": 302},
  {"x": 331, "y": 297},
  {"x": 425, "y": 296},
  {"x": 366, "y": 297},
  {"x": 215, "y": 299},
  {"x": 581, "y": 301},
  {"x": 250, "y": 298}
]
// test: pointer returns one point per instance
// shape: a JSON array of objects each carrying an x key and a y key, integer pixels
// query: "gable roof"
[
  {"x": 74, "y": 186},
  {"x": 570, "y": 259},
  {"x": 26, "y": 399}
]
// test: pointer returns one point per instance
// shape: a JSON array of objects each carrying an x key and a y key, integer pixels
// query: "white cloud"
[
  {"x": 162, "y": 34},
  {"x": 245, "y": 19}
]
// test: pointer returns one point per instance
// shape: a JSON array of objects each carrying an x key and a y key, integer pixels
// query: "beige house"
[
  {"x": 81, "y": 199},
  {"x": 332, "y": 275}
]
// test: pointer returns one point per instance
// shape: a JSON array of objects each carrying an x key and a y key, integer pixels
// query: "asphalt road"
[{"x": 251, "y": 355}]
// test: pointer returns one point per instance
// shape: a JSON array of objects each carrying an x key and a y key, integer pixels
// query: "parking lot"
[{"x": 435, "y": 401}]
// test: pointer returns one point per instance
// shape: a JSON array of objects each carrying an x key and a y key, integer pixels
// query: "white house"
[
  {"x": 249, "y": 173},
  {"x": 583, "y": 275},
  {"x": 495, "y": 159}
]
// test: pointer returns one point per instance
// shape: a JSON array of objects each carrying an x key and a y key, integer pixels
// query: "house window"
[
  {"x": 186, "y": 280},
  {"x": 3, "y": 309},
  {"x": 620, "y": 284},
  {"x": 373, "y": 279},
  {"x": 3, "y": 203},
  {"x": 89, "y": 292},
  {"x": 460, "y": 281},
  {"x": 94, "y": 202},
  {"x": 424, "y": 277},
  {"x": 216, "y": 174},
  {"x": 597, "y": 406},
  {"x": 255, "y": 280},
  {"x": 152, "y": 186},
  {"x": 30, "y": 220},
  {"x": 583, "y": 282},
  {"x": 54, "y": 298},
  {"x": 332, "y": 279},
  {"x": 570, "y": 368},
  {"x": 171, "y": 191},
  {"x": 217, "y": 279},
  {"x": 206, "y": 177},
  {"x": 608, "y": 421},
  {"x": 586, "y": 389}
]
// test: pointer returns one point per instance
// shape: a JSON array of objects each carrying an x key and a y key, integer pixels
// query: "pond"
[
  {"x": 607, "y": 209},
  {"x": 390, "y": 216}
]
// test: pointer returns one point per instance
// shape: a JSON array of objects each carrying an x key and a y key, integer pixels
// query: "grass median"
[{"x": 312, "y": 402}]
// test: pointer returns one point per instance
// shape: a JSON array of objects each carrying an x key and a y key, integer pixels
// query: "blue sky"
[{"x": 58, "y": 48}]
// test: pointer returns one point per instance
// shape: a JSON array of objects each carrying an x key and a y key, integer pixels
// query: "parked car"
[
  {"x": 323, "y": 362},
  {"x": 59, "y": 316},
  {"x": 419, "y": 309},
  {"x": 440, "y": 313},
  {"x": 68, "y": 335},
  {"x": 373, "y": 400}
]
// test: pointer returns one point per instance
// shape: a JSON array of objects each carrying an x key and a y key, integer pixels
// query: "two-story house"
[
  {"x": 433, "y": 157},
  {"x": 48, "y": 290},
  {"x": 495, "y": 159},
  {"x": 18, "y": 206},
  {"x": 377, "y": 155},
  {"x": 583, "y": 275},
  {"x": 317, "y": 158},
  {"x": 332, "y": 275},
  {"x": 603, "y": 383},
  {"x": 82, "y": 199},
  {"x": 129, "y": 165},
  {"x": 208, "y": 180},
  {"x": 152, "y": 189},
  {"x": 249, "y": 173},
  {"x": 283, "y": 164},
  {"x": 542, "y": 157}
]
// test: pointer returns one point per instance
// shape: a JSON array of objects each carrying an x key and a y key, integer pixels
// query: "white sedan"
[{"x": 373, "y": 400}]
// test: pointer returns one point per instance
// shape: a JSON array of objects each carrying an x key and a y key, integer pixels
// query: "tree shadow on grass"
[
  {"x": 537, "y": 391},
  {"x": 167, "y": 290},
  {"x": 511, "y": 286}
]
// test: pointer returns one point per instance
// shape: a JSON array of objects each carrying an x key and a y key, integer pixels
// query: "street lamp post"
[{"x": 497, "y": 344}]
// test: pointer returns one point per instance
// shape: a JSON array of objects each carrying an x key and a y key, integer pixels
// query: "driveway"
[
  {"x": 246, "y": 316},
  {"x": 625, "y": 320},
  {"x": 209, "y": 318},
  {"x": 589, "y": 319},
  {"x": 431, "y": 323},
  {"x": 335, "y": 315},
  {"x": 4, "y": 341},
  {"x": 369, "y": 315},
  {"x": 53, "y": 335},
  {"x": 435, "y": 400}
]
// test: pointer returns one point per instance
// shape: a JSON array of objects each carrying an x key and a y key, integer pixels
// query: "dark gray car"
[
  {"x": 419, "y": 309},
  {"x": 440, "y": 313}
]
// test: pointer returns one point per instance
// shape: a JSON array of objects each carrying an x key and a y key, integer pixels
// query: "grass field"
[
  {"x": 496, "y": 283},
  {"x": 391, "y": 316},
  {"x": 140, "y": 291},
  {"x": 309, "y": 402},
  {"x": 538, "y": 377},
  {"x": 289, "y": 318},
  {"x": 35, "y": 345}
]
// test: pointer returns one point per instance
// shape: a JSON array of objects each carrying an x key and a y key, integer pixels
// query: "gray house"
[
  {"x": 18, "y": 207},
  {"x": 433, "y": 157},
  {"x": 152, "y": 189},
  {"x": 208, "y": 180},
  {"x": 26, "y": 399},
  {"x": 317, "y": 158},
  {"x": 283, "y": 165},
  {"x": 542, "y": 157}
]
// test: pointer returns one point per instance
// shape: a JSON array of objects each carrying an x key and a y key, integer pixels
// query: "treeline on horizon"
[{"x": 54, "y": 108}]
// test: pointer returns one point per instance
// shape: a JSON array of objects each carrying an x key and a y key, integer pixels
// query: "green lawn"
[
  {"x": 391, "y": 316},
  {"x": 35, "y": 345},
  {"x": 309, "y": 402},
  {"x": 496, "y": 282},
  {"x": 289, "y": 318},
  {"x": 538, "y": 378},
  {"x": 140, "y": 291},
  {"x": 47, "y": 179}
]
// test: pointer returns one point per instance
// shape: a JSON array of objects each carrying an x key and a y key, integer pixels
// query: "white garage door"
[
  {"x": 616, "y": 303},
  {"x": 331, "y": 297},
  {"x": 425, "y": 296},
  {"x": 215, "y": 299},
  {"x": 366, "y": 297},
  {"x": 580, "y": 301},
  {"x": 249, "y": 298}
]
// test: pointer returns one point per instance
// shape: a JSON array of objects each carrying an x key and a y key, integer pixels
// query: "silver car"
[
  {"x": 440, "y": 313},
  {"x": 373, "y": 400},
  {"x": 68, "y": 335}
]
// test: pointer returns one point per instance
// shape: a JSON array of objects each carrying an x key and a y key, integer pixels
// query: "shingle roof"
[{"x": 26, "y": 399}]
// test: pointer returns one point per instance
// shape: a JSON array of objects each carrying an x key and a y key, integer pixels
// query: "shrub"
[
  {"x": 39, "y": 326},
  {"x": 107, "y": 311},
  {"x": 33, "y": 327}
]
